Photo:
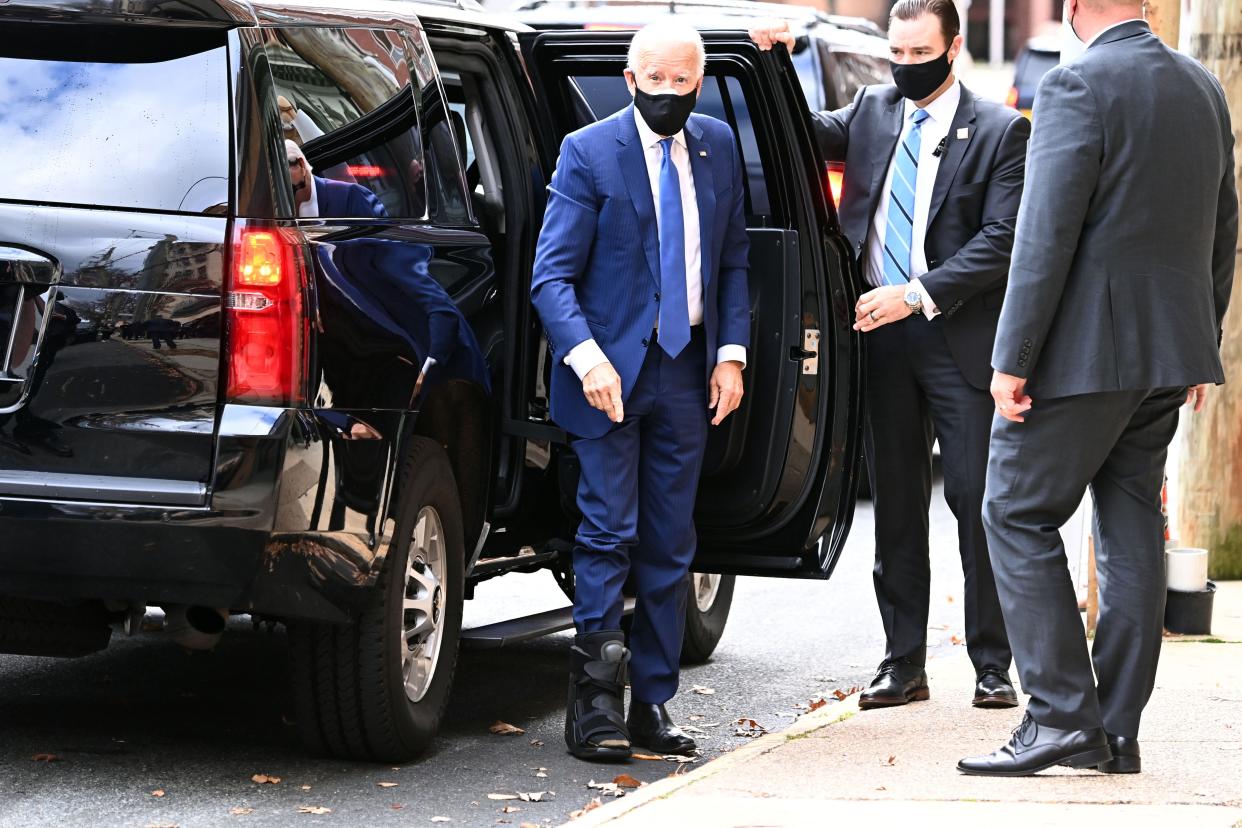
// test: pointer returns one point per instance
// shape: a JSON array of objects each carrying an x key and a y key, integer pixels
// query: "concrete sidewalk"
[{"x": 839, "y": 765}]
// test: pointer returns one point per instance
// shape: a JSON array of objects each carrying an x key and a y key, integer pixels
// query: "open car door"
[{"x": 779, "y": 478}]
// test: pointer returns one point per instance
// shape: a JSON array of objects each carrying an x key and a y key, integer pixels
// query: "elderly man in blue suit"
[
  {"x": 640, "y": 280},
  {"x": 317, "y": 197}
]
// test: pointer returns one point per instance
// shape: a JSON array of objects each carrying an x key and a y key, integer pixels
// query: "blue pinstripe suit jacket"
[{"x": 597, "y": 264}]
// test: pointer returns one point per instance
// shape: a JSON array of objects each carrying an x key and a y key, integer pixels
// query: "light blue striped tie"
[{"x": 899, "y": 235}]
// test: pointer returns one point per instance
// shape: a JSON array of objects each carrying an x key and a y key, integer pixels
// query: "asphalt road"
[{"x": 146, "y": 717}]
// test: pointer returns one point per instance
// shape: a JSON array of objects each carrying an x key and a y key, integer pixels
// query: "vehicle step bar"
[{"x": 516, "y": 630}]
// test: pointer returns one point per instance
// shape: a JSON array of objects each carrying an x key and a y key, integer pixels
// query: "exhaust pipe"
[{"x": 195, "y": 627}]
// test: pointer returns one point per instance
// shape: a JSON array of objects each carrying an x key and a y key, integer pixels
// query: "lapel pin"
[
  {"x": 963, "y": 133},
  {"x": 702, "y": 153}
]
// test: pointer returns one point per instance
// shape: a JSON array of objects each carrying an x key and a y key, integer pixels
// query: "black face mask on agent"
[
  {"x": 917, "y": 81},
  {"x": 665, "y": 113}
]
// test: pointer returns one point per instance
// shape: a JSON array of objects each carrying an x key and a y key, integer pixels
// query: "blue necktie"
[
  {"x": 899, "y": 235},
  {"x": 674, "y": 309}
]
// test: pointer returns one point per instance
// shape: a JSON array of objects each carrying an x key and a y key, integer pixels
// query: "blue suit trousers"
[{"x": 636, "y": 494}]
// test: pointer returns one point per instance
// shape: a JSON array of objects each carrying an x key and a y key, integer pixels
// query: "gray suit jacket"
[
  {"x": 974, "y": 206},
  {"x": 1127, "y": 234}
]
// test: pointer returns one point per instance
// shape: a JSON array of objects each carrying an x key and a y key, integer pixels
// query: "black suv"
[{"x": 266, "y": 345}]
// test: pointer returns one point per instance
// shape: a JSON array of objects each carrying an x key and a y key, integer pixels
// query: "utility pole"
[{"x": 1208, "y": 499}]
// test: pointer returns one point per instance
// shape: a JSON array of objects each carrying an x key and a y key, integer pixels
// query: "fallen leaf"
[
  {"x": 306, "y": 787},
  {"x": 386, "y": 784},
  {"x": 951, "y": 599},
  {"x": 240, "y": 811},
  {"x": 529, "y": 825},
  {"x": 749, "y": 727},
  {"x": 441, "y": 819},
  {"x": 816, "y": 704},
  {"x": 396, "y": 806},
  {"x": 647, "y": 756},
  {"x": 264, "y": 779},
  {"x": 586, "y": 809},
  {"x": 157, "y": 793},
  {"x": 695, "y": 717},
  {"x": 504, "y": 729},
  {"x": 702, "y": 691},
  {"x": 627, "y": 781},
  {"x": 839, "y": 695},
  {"x": 541, "y": 775},
  {"x": 510, "y": 809},
  {"x": 45, "y": 757},
  {"x": 610, "y": 788},
  {"x": 681, "y": 760},
  {"x": 499, "y": 797},
  {"x": 892, "y": 760},
  {"x": 534, "y": 796},
  {"x": 536, "y": 742},
  {"x": 317, "y": 810},
  {"x": 957, "y": 639}
]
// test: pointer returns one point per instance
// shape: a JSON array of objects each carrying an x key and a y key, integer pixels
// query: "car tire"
[
  {"x": 707, "y": 610},
  {"x": 360, "y": 691}
]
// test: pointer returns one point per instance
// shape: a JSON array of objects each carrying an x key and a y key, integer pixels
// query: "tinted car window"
[
  {"x": 110, "y": 116},
  {"x": 345, "y": 96},
  {"x": 722, "y": 98}
]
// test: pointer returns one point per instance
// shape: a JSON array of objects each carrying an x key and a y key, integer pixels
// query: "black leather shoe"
[
  {"x": 895, "y": 684},
  {"x": 1125, "y": 756},
  {"x": 994, "y": 689},
  {"x": 651, "y": 727},
  {"x": 594, "y": 720},
  {"x": 1035, "y": 747}
]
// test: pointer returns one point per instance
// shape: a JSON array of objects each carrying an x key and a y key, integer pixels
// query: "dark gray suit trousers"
[{"x": 1116, "y": 443}]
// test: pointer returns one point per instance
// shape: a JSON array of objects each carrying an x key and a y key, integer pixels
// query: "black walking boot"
[{"x": 595, "y": 720}]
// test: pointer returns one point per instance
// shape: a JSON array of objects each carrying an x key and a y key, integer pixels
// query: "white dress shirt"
[
  {"x": 1115, "y": 25},
  {"x": 587, "y": 355},
  {"x": 940, "y": 114},
  {"x": 310, "y": 207}
]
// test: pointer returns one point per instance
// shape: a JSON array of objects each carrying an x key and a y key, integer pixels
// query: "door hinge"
[{"x": 809, "y": 352}]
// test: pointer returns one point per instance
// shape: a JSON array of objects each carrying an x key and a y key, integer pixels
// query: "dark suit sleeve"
[
  {"x": 1225, "y": 246},
  {"x": 733, "y": 296},
  {"x": 1063, "y": 168},
  {"x": 563, "y": 249},
  {"x": 832, "y": 129},
  {"x": 983, "y": 262}
]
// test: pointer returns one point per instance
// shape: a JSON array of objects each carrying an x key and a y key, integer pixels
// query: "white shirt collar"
[
  {"x": 943, "y": 109},
  {"x": 310, "y": 208},
  {"x": 648, "y": 135},
  {"x": 1115, "y": 25}
]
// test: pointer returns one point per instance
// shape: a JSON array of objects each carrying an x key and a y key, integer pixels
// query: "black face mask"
[
  {"x": 666, "y": 114},
  {"x": 916, "y": 81}
]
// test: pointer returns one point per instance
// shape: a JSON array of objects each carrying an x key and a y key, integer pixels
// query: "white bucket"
[{"x": 1187, "y": 569}]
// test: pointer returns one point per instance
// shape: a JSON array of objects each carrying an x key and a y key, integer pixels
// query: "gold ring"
[{"x": 872, "y": 315}]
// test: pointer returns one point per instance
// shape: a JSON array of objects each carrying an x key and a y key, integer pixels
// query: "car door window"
[{"x": 346, "y": 97}]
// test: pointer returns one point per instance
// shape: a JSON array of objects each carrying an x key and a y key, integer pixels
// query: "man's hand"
[
  {"x": 726, "y": 390},
  {"x": 877, "y": 308},
  {"x": 602, "y": 388},
  {"x": 1010, "y": 395},
  {"x": 1197, "y": 396},
  {"x": 767, "y": 33}
]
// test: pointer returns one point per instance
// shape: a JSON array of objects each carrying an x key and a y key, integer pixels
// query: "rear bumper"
[{"x": 250, "y": 550}]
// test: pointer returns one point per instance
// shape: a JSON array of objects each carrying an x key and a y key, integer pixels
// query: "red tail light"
[
  {"x": 267, "y": 326},
  {"x": 1012, "y": 98},
  {"x": 836, "y": 179}
]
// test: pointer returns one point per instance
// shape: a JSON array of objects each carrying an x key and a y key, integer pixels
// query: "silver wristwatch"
[{"x": 914, "y": 301}]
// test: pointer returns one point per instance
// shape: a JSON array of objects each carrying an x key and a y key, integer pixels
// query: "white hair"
[
  {"x": 667, "y": 31},
  {"x": 293, "y": 151}
]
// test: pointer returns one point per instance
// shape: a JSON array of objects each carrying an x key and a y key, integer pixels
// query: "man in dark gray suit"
[
  {"x": 933, "y": 178},
  {"x": 1121, "y": 275}
]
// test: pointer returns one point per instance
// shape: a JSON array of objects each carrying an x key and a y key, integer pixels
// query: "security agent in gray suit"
[
  {"x": 1121, "y": 273},
  {"x": 933, "y": 179}
]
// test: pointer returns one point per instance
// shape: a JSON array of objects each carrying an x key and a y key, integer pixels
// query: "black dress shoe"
[
  {"x": 651, "y": 727},
  {"x": 1035, "y": 747},
  {"x": 1125, "y": 756},
  {"x": 994, "y": 689},
  {"x": 896, "y": 683}
]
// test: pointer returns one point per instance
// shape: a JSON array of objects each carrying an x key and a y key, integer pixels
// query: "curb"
[{"x": 806, "y": 724}]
